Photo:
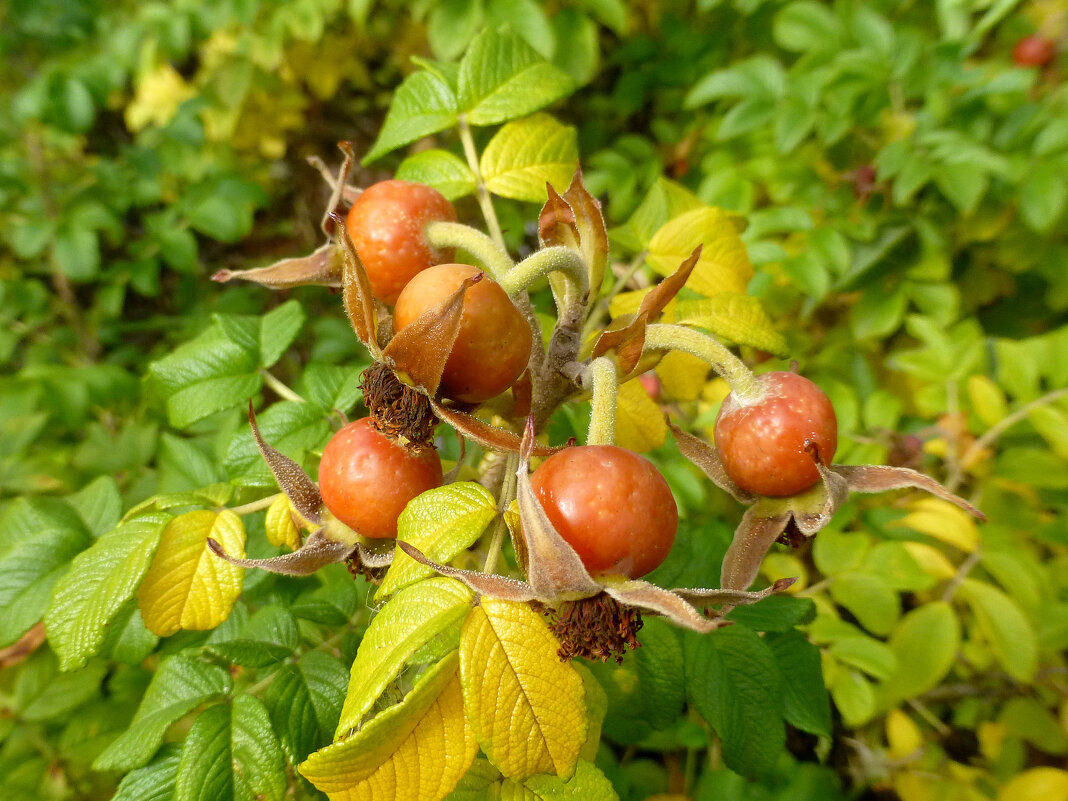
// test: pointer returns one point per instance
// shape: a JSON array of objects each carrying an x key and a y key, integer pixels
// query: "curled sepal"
[
  {"x": 418, "y": 352},
  {"x": 507, "y": 589},
  {"x": 628, "y": 343},
  {"x": 374, "y": 560},
  {"x": 593, "y": 235},
  {"x": 488, "y": 436},
  {"x": 356, "y": 292},
  {"x": 648, "y": 596},
  {"x": 554, "y": 570},
  {"x": 556, "y": 223},
  {"x": 348, "y": 193},
  {"x": 707, "y": 458},
  {"x": 752, "y": 540},
  {"x": 294, "y": 482},
  {"x": 322, "y": 267},
  {"x": 339, "y": 195},
  {"x": 880, "y": 478},
  {"x": 317, "y": 551},
  {"x": 704, "y": 597}
]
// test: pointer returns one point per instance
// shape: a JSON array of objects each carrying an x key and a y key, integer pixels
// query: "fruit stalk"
[
  {"x": 601, "y": 381},
  {"x": 744, "y": 385},
  {"x": 490, "y": 256},
  {"x": 538, "y": 265}
]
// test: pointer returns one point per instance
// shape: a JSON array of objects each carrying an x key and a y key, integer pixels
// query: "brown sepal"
[
  {"x": 317, "y": 552},
  {"x": 356, "y": 292},
  {"x": 663, "y": 602},
  {"x": 322, "y": 267},
  {"x": 418, "y": 352},
  {"x": 348, "y": 193},
  {"x": 752, "y": 539},
  {"x": 660, "y": 295},
  {"x": 879, "y": 478},
  {"x": 556, "y": 223},
  {"x": 627, "y": 342},
  {"x": 706, "y": 457},
  {"x": 700, "y": 596},
  {"x": 302, "y": 492},
  {"x": 523, "y": 395},
  {"x": 488, "y": 436},
  {"x": 593, "y": 235},
  {"x": 507, "y": 589}
]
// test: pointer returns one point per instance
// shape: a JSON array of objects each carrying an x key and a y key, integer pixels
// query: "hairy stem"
[
  {"x": 485, "y": 250},
  {"x": 255, "y": 506},
  {"x": 743, "y": 383},
  {"x": 601, "y": 381},
  {"x": 484, "y": 199},
  {"x": 538, "y": 265}
]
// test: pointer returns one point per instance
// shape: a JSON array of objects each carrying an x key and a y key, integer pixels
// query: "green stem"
[
  {"x": 601, "y": 381},
  {"x": 548, "y": 260},
  {"x": 485, "y": 250},
  {"x": 280, "y": 389},
  {"x": 744, "y": 385},
  {"x": 484, "y": 199},
  {"x": 508, "y": 490},
  {"x": 255, "y": 506}
]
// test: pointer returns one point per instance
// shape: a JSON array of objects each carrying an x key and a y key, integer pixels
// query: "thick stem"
[
  {"x": 485, "y": 250},
  {"x": 744, "y": 385},
  {"x": 484, "y": 199},
  {"x": 601, "y": 381},
  {"x": 538, "y": 265}
]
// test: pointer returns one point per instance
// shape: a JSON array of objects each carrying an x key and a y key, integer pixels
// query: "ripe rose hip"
[
  {"x": 386, "y": 226},
  {"x": 769, "y": 447},
  {"x": 493, "y": 346},
  {"x": 366, "y": 480},
  {"x": 611, "y": 505},
  {"x": 1034, "y": 51}
]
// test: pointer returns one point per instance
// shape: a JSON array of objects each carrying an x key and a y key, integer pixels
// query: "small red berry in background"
[
  {"x": 493, "y": 346},
  {"x": 651, "y": 384},
  {"x": 864, "y": 178},
  {"x": 1034, "y": 51},
  {"x": 771, "y": 447},
  {"x": 386, "y": 226},
  {"x": 366, "y": 480},
  {"x": 611, "y": 505}
]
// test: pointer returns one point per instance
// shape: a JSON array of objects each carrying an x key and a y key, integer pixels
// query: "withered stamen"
[
  {"x": 598, "y": 627},
  {"x": 396, "y": 408}
]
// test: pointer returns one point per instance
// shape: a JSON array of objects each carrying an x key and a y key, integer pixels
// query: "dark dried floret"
[{"x": 397, "y": 410}]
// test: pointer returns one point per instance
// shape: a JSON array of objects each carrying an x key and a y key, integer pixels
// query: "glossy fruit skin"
[
  {"x": 611, "y": 505},
  {"x": 366, "y": 480},
  {"x": 493, "y": 346},
  {"x": 768, "y": 448},
  {"x": 386, "y": 226},
  {"x": 1034, "y": 51}
]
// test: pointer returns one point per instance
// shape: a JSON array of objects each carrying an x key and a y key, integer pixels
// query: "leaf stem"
[
  {"x": 255, "y": 506},
  {"x": 601, "y": 381},
  {"x": 484, "y": 248},
  {"x": 744, "y": 385},
  {"x": 280, "y": 389},
  {"x": 508, "y": 489},
  {"x": 484, "y": 199},
  {"x": 557, "y": 259}
]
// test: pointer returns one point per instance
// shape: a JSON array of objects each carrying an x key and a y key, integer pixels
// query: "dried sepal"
[
  {"x": 655, "y": 301},
  {"x": 507, "y": 589},
  {"x": 348, "y": 193},
  {"x": 356, "y": 293},
  {"x": 648, "y": 596},
  {"x": 752, "y": 540},
  {"x": 592, "y": 232},
  {"x": 628, "y": 343},
  {"x": 338, "y": 194},
  {"x": 707, "y": 458},
  {"x": 302, "y": 492},
  {"x": 418, "y": 352},
  {"x": 376, "y": 560},
  {"x": 880, "y": 478},
  {"x": 488, "y": 436},
  {"x": 556, "y": 223},
  {"x": 396, "y": 409},
  {"x": 322, "y": 267},
  {"x": 317, "y": 552},
  {"x": 730, "y": 597}
]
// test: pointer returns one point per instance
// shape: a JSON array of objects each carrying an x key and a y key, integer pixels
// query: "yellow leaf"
[
  {"x": 1037, "y": 784},
  {"x": 281, "y": 528},
  {"x": 733, "y": 316},
  {"x": 931, "y": 560},
  {"x": 943, "y": 521},
  {"x": 682, "y": 375},
  {"x": 627, "y": 302},
  {"x": 416, "y": 750},
  {"x": 991, "y": 737},
  {"x": 988, "y": 401},
  {"x": 187, "y": 586},
  {"x": 527, "y": 153},
  {"x": 640, "y": 424},
  {"x": 527, "y": 708},
  {"x": 902, "y": 734},
  {"x": 724, "y": 264},
  {"x": 158, "y": 95}
]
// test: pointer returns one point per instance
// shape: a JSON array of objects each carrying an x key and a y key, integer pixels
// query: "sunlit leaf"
[
  {"x": 724, "y": 264},
  {"x": 526, "y": 154},
  {"x": 944, "y": 522},
  {"x": 734, "y": 317},
  {"x": 925, "y": 643},
  {"x": 640, "y": 426},
  {"x": 1005, "y": 627}
]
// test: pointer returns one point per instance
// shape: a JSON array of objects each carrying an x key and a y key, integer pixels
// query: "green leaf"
[
  {"x": 41, "y": 693},
  {"x": 278, "y": 328},
  {"x": 879, "y": 311},
  {"x": 869, "y": 598},
  {"x": 588, "y": 784},
  {"x": 204, "y": 376},
  {"x": 526, "y": 18},
  {"x": 806, "y": 25},
  {"x": 441, "y": 523},
  {"x": 758, "y": 77},
  {"x": 1028, "y": 719},
  {"x": 777, "y": 613},
  {"x": 154, "y": 782},
  {"x": 854, "y": 697},
  {"x": 99, "y": 504},
  {"x": 1005, "y": 627},
  {"x": 444, "y": 171},
  {"x": 129, "y": 641},
  {"x": 451, "y": 26},
  {"x": 664, "y": 201},
  {"x": 231, "y": 754},
  {"x": 734, "y": 682},
  {"x": 180, "y": 685},
  {"x": 335, "y": 602},
  {"x": 864, "y": 653},
  {"x": 305, "y": 702},
  {"x": 414, "y": 617},
  {"x": 77, "y": 252},
  {"x": 578, "y": 45},
  {"x": 963, "y": 184},
  {"x": 1043, "y": 197},
  {"x": 806, "y": 704},
  {"x": 330, "y": 386},
  {"x": 835, "y": 551},
  {"x": 526, "y": 154},
  {"x": 290, "y": 427},
  {"x": 423, "y": 104},
  {"x": 184, "y": 465},
  {"x": 268, "y": 637},
  {"x": 38, "y": 538},
  {"x": 222, "y": 207},
  {"x": 101, "y": 580},
  {"x": 925, "y": 643},
  {"x": 503, "y": 78}
]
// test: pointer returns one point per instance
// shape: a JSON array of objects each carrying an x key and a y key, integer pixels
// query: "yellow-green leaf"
[
  {"x": 943, "y": 521},
  {"x": 527, "y": 708},
  {"x": 1052, "y": 423},
  {"x": 527, "y": 153},
  {"x": 735, "y": 317},
  {"x": 588, "y": 784},
  {"x": 1005, "y": 627},
  {"x": 902, "y": 735},
  {"x": 925, "y": 643},
  {"x": 988, "y": 400},
  {"x": 596, "y": 709},
  {"x": 640, "y": 424},
  {"x": 931, "y": 560},
  {"x": 416, "y": 750},
  {"x": 411, "y": 619},
  {"x": 281, "y": 527},
  {"x": 682, "y": 375},
  {"x": 187, "y": 586},
  {"x": 724, "y": 264},
  {"x": 1047, "y": 784},
  {"x": 441, "y": 523}
]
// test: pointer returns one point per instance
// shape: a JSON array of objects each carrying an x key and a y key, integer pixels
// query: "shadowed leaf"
[
  {"x": 293, "y": 481},
  {"x": 322, "y": 267}
]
